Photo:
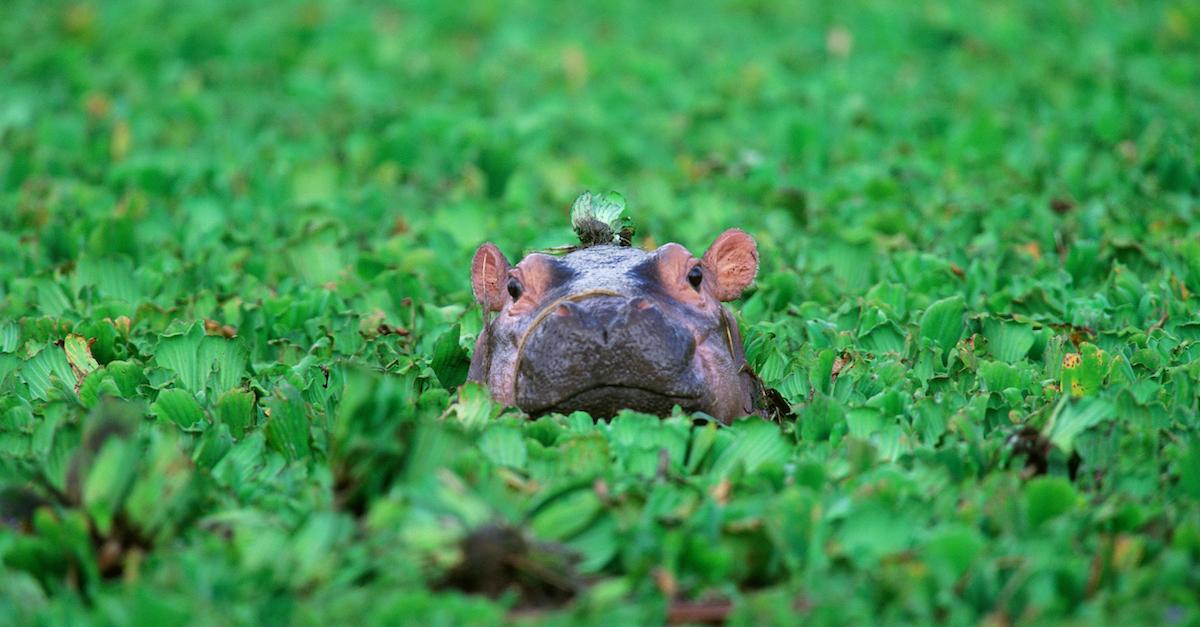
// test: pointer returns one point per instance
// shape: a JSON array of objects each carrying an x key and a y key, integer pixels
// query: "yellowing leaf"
[
  {"x": 79, "y": 355},
  {"x": 1083, "y": 373}
]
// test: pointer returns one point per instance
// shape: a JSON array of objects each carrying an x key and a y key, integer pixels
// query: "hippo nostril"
[
  {"x": 563, "y": 310},
  {"x": 640, "y": 304}
]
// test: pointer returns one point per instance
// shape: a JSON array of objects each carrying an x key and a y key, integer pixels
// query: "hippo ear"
[
  {"x": 489, "y": 269},
  {"x": 733, "y": 260}
]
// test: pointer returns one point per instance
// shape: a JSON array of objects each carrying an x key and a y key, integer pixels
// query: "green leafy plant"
[{"x": 236, "y": 318}]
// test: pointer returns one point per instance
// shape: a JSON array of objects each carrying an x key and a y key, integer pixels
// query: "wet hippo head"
[{"x": 609, "y": 327}]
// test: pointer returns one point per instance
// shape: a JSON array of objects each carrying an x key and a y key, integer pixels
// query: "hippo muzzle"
[
  {"x": 607, "y": 327},
  {"x": 603, "y": 353}
]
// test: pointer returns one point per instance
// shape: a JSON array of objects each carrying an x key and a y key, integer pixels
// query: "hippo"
[{"x": 610, "y": 327}]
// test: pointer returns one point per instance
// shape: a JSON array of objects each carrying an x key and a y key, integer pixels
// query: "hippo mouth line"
[{"x": 605, "y": 400}]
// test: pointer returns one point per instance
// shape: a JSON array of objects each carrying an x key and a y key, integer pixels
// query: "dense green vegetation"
[{"x": 235, "y": 311}]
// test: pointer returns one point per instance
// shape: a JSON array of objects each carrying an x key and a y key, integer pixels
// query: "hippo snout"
[{"x": 605, "y": 353}]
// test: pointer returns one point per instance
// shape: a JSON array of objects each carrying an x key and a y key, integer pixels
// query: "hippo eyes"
[
  {"x": 696, "y": 277},
  {"x": 514, "y": 288}
]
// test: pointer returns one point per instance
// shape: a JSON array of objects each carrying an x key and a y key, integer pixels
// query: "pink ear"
[
  {"x": 733, "y": 259},
  {"x": 489, "y": 270}
]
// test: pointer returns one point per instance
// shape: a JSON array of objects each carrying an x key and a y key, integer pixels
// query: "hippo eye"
[
  {"x": 695, "y": 277},
  {"x": 514, "y": 288}
]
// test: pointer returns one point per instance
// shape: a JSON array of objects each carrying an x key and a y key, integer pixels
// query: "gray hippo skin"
[{"x": 610, "y": 327}]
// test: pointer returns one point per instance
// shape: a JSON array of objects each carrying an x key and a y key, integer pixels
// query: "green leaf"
[
  {"x": 503, "y": 445},
  {"x": 314, "y": 544},
  {"x": 703, "y": 439},
  {"x": 230, "y": 360},
  {"x": 287, "y": 426},
  {"x": 1187, "y": 468},
  {"x": 450, "y": 361},
  {"x": 952, "y": 551},
  {"x": 567, "y": 515},
  {"x": 1073, "y": 417},
  {"x": 998, "y": 376},
  {"x": 8, "y": 365},
  {"x": 475, "y": 407},
  {"x": 597, "y": 545},
  {"x": 873, "y": 531},
  {"x": 212, "y": 446},
  {"x": 1008, "y": 341},
  {"x": 114, "y": 278},
  {"x": 235, "y": 409},
  {"x": 1047, "y": 498},
  {"x": 606, "y": 208},
  {"x": 885, "y": 338},
  {"x": 861, "y": 422},
  {"x": 316, "y": 256},
  {"x": 180, "y": 407},
  {"x": 822, "y": 373},
  {"x": 108, "y": 480},
  {"x": 641, "y": 441},
  {"x": 756, "y": 442},
  {"x": 127, "y": 375},
  {"x": 40, "y": 370},
  {"x": 192, "y": 356},
  {"x": 942, "y": 322},
  {"x": 791, "y": 520},
  {"x": 164, "y": 497},
  {"x": 10, "y": 337},
  {"x": 52, "y": 300},
  {"x": 314, "y": 182},
  {"x": 93, "y": 386},
  {"x": 583, "y": 455},
  {"x": 819, "y": 419},
  {"x": 183, "y": 354}
]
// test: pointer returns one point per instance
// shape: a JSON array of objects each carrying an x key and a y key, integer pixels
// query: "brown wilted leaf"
[
  {"x": 499, "y": 558},
  {"x": 1028, "y": 442},
  {"x": 386, "y": 329},
  {"x": 600, "y": 487},
  {"x": 1061, "y": 205},
  {"x": 720, "y": 492},
  {"x": 97, "y": 106},
  {"x": 710, "y": 612},
  {"x": 838, "y": 365},
  {"x": 212, "y": 327},
  {"x": 667, "y": 584}
]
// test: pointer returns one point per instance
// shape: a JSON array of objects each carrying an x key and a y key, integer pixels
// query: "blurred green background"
[{"x": 252, "y": 224}]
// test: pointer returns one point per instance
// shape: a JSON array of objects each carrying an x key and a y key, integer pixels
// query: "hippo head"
[{"x": 610, "y": 327}]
